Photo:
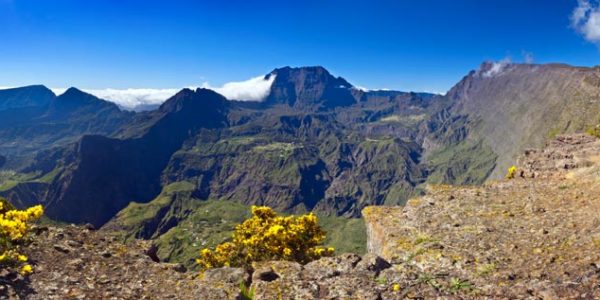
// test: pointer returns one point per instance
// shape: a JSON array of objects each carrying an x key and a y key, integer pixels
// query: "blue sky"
[{"x": 406, "y": 45}]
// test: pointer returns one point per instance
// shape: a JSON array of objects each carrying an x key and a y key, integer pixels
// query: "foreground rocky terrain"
[
  {"x": 533, "y": 237},
  {"x": 74, "y": 262}
]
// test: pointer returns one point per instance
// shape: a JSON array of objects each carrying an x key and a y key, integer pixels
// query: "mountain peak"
[
  {"x": 190, "y": 99},
  {"x": 309, "y": 87},
  {"x": 317, "y": 72},
  {"x": 74, "y": 99},
  {"x": 73, "y": 91},
  {"x": 27, "y": 96}
]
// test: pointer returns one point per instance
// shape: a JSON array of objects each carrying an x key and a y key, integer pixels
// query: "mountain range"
[{"x": 316, "y": 143}]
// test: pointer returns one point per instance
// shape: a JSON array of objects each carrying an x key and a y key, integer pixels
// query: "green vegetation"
[
  {"x": 344, "y": 234},
  {"x": 409, "y": 120},
  {"x": 9, "y": 179},
  {"x": 486, "y": 269},
  {"x": 381, "y": 280},
  {"x": 554, "y": 132},
  {"x": 457, "y": 285},
  {"x": 464, "y": 163},
  {"x": 247, "y": 293},
  {"x": 284, "y": 149},
  {"x": 136, "y": 214},
  {"x": 210, "y": 223},
  {"x": 207, "y": 223},
  {"x": 49, "y": 177},
  {"x": 180, "y": 186},
  {"x": 594, "y": 131}
]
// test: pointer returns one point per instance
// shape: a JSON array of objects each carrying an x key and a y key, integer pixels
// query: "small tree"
[
  {"x": 266, "y": 236},
  {"x": 14, "y": 227}
]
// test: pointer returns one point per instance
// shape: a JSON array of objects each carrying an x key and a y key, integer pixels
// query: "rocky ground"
[
  {"x": 533, "y": 237},
  {"x": 537, "y": 236},
  {"x": 74, "y": 262}
]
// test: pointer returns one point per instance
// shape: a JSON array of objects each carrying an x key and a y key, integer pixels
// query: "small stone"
[
  {"x": 373, "y": 263},
  {"x": 179, "y": 268},
  {"x": 73, "y": 243},
  {"x": 61, "y": 248},
  {"x": 89, "y": 226},
  {"x": 103, "y": 279}
]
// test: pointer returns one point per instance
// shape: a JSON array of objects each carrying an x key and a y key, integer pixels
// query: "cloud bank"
[
  {"x": 585, "y": 19},
  {"x": 254, "y": 89},
  {"x": 129, "y": 98}
]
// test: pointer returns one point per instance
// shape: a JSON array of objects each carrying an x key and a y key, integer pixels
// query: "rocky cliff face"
[
  {"x": 517, "y": 106},
  {"x": 309, "y": 88},
  {"x": 534, "y": 234}
]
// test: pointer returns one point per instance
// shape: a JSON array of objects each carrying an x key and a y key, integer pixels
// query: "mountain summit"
[{"x": 309, "y": 87}]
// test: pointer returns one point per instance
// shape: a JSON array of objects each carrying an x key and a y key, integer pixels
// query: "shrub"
[
  {"x": 266, "y": 236},
  {"x": 594, "y": 131},
  {"x": 512, "y": 171},
  {"x": 14, "y": 227}
]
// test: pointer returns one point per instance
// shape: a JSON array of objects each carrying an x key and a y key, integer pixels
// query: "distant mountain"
[
  {"x": 25, "y": 97},
  {"x": 98, "y": 176},
  {"x": 501, "y": 110},
  {"x": 309, "y": 88},
  {"x": 40, "y": 120}
]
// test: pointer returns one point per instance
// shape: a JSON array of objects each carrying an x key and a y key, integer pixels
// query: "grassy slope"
[{"x": 464, "y": 163}]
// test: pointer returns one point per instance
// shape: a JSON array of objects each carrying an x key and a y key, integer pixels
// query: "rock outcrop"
[{"x": 536, "y": 235}]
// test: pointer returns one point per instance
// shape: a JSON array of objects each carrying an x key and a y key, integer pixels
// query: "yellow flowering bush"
[
  {"x": 267, "y": 236},
  {"x": 14, "y": 226},
  {"x": 512, "y": 171}
]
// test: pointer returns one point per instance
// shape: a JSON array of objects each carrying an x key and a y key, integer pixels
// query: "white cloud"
[
  {"x": 585, "y": 19},
  {"x": 364, "y": 89},
  {"x": 497, "y": 67},
  {"x": 361, "y": 88},
  {"x": 129, "y": 98},
  {"x": 253, "y": 89}
]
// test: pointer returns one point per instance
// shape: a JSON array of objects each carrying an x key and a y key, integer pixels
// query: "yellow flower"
[
  {"x": 22, "y": 258},
  {"x": 512, "y": 171},
  {"x": 26, "y": 269},
  {"x": 396, "y": 287}
]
